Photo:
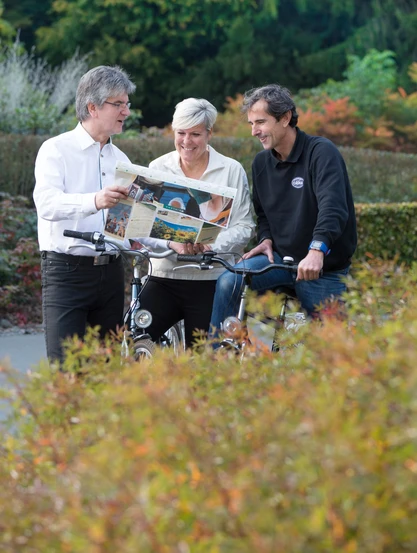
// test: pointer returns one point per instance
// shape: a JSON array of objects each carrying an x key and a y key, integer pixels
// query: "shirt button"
[
  {"x": 104, "y": 174},
  {"x": 101, "y": 155}
]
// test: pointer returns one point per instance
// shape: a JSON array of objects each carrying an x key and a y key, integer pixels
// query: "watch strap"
[{"x": 319, "y": 246}]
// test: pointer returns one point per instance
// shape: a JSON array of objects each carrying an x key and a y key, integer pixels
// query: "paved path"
[{"x": 22, "y": 352}]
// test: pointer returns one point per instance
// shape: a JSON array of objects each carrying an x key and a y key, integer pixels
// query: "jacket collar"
[{"x": 296, "y": 151}]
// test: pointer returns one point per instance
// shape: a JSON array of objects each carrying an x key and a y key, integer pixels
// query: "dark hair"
[{"x": 277, "y": 98}]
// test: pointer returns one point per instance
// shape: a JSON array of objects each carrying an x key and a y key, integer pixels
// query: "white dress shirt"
[
  {"x": 70, "y": 169},
  {"x": 221, "y": 171}
]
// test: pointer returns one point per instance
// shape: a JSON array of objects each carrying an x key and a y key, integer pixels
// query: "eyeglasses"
[{"x": 119, "y": 105}]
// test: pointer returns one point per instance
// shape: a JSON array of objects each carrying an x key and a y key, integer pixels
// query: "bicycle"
[
  {"x": 136, "y": 320},
  {"x": 235, "y": 328}
]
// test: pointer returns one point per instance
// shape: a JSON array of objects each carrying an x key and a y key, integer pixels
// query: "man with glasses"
[{"x": 74, "y": 187}]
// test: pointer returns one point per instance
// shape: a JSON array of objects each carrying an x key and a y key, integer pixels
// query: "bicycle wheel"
[
  {"x": 173, "y": 337},
  {"x": 143, "y": 349},
  {"x": 292, "y": 323}
]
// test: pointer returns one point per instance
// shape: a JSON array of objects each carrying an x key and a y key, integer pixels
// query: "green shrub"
[
  {"x": 17, "y": 161},
  {"x": 375, "y": 176},
  {"x": 387, "y": 231},
  {"x": 20, "y": 280},
  {"x": 34, "y": 96},
  {"x": 381, "y": 176},
  {"x": 311, "y": 451},
  {"x": 366, "y": 82}
]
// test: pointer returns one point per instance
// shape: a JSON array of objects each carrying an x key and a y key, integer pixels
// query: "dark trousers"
[
  {"x": 75, "y": 295},
  {"x": 171, "y": 300}
]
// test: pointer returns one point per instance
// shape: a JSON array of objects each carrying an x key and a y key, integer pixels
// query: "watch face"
[{"x": 316, "y": 244}]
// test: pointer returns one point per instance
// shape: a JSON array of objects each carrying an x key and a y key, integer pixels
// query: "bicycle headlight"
[
  {"x": 143, "y": 318},
  {"x": 232, "y": 326}
]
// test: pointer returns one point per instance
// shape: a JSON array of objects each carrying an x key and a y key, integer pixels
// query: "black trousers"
[
  {"x": 76, "y": 293},
  {"x": 170, "y": 300}
]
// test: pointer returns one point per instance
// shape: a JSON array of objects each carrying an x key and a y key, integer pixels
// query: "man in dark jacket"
[{"x": 304, "y": 207}]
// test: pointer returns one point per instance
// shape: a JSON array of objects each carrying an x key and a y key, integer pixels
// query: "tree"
[
  {"x": 157, "y": 41},
  {"x": 6, "y": 29},
  {"x": 217, "y": 48},
  {"x": 25, "y": 16},
  {"x": 367, "y": 82}
]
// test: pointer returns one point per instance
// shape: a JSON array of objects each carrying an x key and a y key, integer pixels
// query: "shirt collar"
[
  {"x": 85, "y": 140},
  {"x": 215, "y": 161},
  {"x": 296, "y": 150}
]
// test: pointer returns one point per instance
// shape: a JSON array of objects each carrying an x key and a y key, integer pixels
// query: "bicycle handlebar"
[
  {"x": 100, "y": 240},
  {"x": 92, "y": 237},
  {"x": 203, "y": 260},
  {"x": 193, "y": 258}
]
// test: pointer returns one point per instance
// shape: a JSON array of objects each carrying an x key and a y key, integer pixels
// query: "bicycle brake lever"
[
  {"x": 194, "y": 266},
  {"x": 98, "y": 247}
]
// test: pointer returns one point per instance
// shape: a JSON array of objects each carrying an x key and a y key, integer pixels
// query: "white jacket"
[{"x": 221, "y": 171}]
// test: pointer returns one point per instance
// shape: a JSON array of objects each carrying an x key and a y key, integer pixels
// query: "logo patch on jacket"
[{"x": 298, "y": 182}]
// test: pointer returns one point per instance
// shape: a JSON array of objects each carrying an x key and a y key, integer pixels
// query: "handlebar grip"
[
  {"x": 197, "y": 258},
  {"x": 87, "y": 236}
]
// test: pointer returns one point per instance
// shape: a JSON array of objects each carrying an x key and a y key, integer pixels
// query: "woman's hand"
[{"x": 188, "y": 248}]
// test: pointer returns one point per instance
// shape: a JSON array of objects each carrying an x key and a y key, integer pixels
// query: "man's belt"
[{"x": 85, "y": 260}]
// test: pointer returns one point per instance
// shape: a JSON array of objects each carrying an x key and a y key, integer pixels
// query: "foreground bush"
[{"x": 313, "y": 450}]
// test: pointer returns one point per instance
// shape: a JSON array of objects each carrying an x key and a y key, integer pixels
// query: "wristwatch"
[{"x": 320, "y": 246}]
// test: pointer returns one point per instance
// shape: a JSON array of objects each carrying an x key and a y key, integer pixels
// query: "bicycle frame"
[
  {"x": 235, "y": 327},
  {"x": 239, "y": 337},
  {"x": 174, "y": 336},
  {"x": 136, "y": 320},
  {"x": 135, "y": 313}
]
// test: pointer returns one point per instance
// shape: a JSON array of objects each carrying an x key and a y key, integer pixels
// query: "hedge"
[
  {"x": 375, "y": 176},
  {"x": 313, "y": 450},
  {"x": 384, "y": 231},
  {"x": 387, "y": 231}
]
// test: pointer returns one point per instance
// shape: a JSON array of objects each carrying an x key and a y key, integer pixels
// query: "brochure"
[{"x": 167, "y": 206}]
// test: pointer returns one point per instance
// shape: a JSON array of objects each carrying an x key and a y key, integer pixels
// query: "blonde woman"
[{"x": 171, "y": 296}]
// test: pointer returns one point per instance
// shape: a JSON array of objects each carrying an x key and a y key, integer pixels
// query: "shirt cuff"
[
  {"x": 264, "y": 238},
  {"x": 88, "y": 203}
]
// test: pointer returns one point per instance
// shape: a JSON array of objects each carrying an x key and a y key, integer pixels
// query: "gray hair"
[
  {"x": 97, "y": 85},
  {"x": 192, "y": 112},
  {"x": 278, "y": 100}
]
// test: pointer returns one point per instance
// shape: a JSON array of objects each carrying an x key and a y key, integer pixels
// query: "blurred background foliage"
[{"x": 220, "y": 48}]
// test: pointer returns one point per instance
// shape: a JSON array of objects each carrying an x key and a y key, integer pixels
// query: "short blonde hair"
[{"x": 192, "y": 112}]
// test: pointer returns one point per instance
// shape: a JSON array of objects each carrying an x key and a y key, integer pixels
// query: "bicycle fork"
[
  {"x": 280, "y": 324},
  {"x": 136, "y": 319}
]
